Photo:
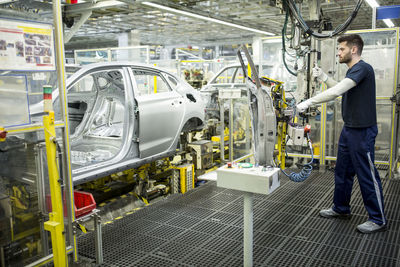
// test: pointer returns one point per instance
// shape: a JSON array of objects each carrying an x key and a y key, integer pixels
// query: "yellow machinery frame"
[
  {"x": 281, "y": 124},
  {"x": 183, "y": 169},
  {"x": 56, "y": 223}
]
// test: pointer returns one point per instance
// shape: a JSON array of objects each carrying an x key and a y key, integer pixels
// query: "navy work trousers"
[{"x": 356, "y": 156}]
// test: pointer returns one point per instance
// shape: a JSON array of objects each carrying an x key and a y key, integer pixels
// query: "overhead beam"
[
  {"x": 79, "y": 8},
  {"x": 19, "y": 14},
  {"x": 84, "y": 17}
]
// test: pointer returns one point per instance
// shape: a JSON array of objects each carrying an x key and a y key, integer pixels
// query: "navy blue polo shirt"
[{"x": 359, "y": 103}]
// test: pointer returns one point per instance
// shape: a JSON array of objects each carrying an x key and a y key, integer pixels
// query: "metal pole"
[
  {"x": 248, "y": 229},
  {"x": 2, "y": 257},
  {"x": 230, "y": 130},
  {"x": 98, "y": 242},
  {"x": 59, "y": 39},
  {"x": 222, "y": 127},
  {"x": 322, "y": 147},
  {"x": 374, "y": 18},
  {"x": 41, "y": 197}
]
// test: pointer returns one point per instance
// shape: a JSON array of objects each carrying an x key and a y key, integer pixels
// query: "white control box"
[{"x": 258, "y": 180}]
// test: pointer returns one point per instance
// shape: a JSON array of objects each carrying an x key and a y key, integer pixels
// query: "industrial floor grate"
[{"x": 204, "y": 227}]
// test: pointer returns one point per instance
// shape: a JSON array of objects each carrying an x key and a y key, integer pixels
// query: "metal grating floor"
[{"x": 204, "y": 227}]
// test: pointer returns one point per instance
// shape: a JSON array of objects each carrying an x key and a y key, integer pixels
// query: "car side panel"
[{"x": 160, "y": 122}]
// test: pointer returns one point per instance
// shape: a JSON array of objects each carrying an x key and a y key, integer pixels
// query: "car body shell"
[{"x": 114, "y": 126}]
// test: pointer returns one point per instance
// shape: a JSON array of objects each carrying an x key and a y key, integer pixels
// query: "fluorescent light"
[
  {"x": 193, "y": 15},
  {"x": 109, "y": 3},
  {"x": 388, "y": 22},
  {"x": 372, "y": 3},
  {"x": 6, "y": 1}
]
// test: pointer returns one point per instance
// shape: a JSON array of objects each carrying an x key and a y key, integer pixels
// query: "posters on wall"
[{"x": 26, "y": 46}]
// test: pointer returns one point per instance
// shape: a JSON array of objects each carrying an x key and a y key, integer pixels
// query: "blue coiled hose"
[{"x": 305, "y": 171}]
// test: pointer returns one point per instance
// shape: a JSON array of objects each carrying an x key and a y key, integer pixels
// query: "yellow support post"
[
  {"x": 282, "y": 131},
  {"x": 185, "y": 183},
  {"x": 56, "y": 223},
  {"x": 282, "y": 125},
  {"x": 155, "y": 84},
  {"x": 61, "y": 78}
]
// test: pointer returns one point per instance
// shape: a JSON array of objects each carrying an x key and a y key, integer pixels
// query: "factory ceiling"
[{"x": 104, "y": 20}]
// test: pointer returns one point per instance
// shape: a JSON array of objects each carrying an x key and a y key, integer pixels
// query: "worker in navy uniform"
[{"x": 356, "y": 146}]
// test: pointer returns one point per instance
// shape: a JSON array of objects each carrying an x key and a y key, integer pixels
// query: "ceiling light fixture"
[
  {"x": 189, "y": 14},
  {"x": 388, "y": 22},
  {"x": 6, "y": 1},
  {"x": 374, "y": 4}
]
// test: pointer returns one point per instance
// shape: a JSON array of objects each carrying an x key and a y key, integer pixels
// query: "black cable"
[
  {"x": 340, "y": 29},
  {"x": 283, "y": 42},
  {"x": 60, "y": 162},
  {"x": 305, "y": 171}
]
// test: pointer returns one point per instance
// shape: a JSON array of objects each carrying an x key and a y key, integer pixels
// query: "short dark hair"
[{"x": 353, "y": 40}]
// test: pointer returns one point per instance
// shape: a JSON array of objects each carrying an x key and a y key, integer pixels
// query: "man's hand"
[
  {"x": 300, "y": 108},
  {"x": 318, "y": 73}
]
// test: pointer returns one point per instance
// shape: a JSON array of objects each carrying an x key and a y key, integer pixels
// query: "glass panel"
[
  {"x": 272, "y": 64},
  {"x": 226, "y": 76},
  {"x": 135, "y": 54},
  {"x": 379, "y": 51},
  {"x": 150, "y": 83},
  {"x": 172, "y": 81},
  {"x": 384, "y": 117},
  {"x": 14, "y": 105},
  {"x": 84, "y": 57},
  {"x": 332, "y": 129},
  {"x": 168, "y": 65},
  {"x": 21, "y": 236},
  {"x": 241, "y": 131},
  {"x": 86, "y": 84},
  {"x": 238, "y": 76},
  {"x": 382, "y": 143}
]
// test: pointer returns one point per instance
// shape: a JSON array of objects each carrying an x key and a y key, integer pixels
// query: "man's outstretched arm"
[{"x": 328, "y": 95}]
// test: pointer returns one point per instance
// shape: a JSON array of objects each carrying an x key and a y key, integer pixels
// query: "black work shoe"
[
  {"x": 330, "y": 213},
  {"x": 370, "y": 227}
]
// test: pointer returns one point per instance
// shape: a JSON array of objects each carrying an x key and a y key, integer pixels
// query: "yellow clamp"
[{"x": 83, "y": 228}]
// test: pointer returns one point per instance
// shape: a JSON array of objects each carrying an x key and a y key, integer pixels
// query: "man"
[{"x": 357, "y": 140}]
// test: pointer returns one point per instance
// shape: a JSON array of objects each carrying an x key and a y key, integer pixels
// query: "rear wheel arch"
[{"x": 192, "y": 124}]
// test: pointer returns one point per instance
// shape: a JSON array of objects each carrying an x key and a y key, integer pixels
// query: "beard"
[{"x": 345, "y": 58}]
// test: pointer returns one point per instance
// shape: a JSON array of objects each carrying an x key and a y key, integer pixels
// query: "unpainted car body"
[
  {"x": 123, "y": 115},
  {"x": 229, "y": 77}
]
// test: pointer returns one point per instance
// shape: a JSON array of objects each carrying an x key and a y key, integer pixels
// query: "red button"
[{"x": 3, "y": 134}]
